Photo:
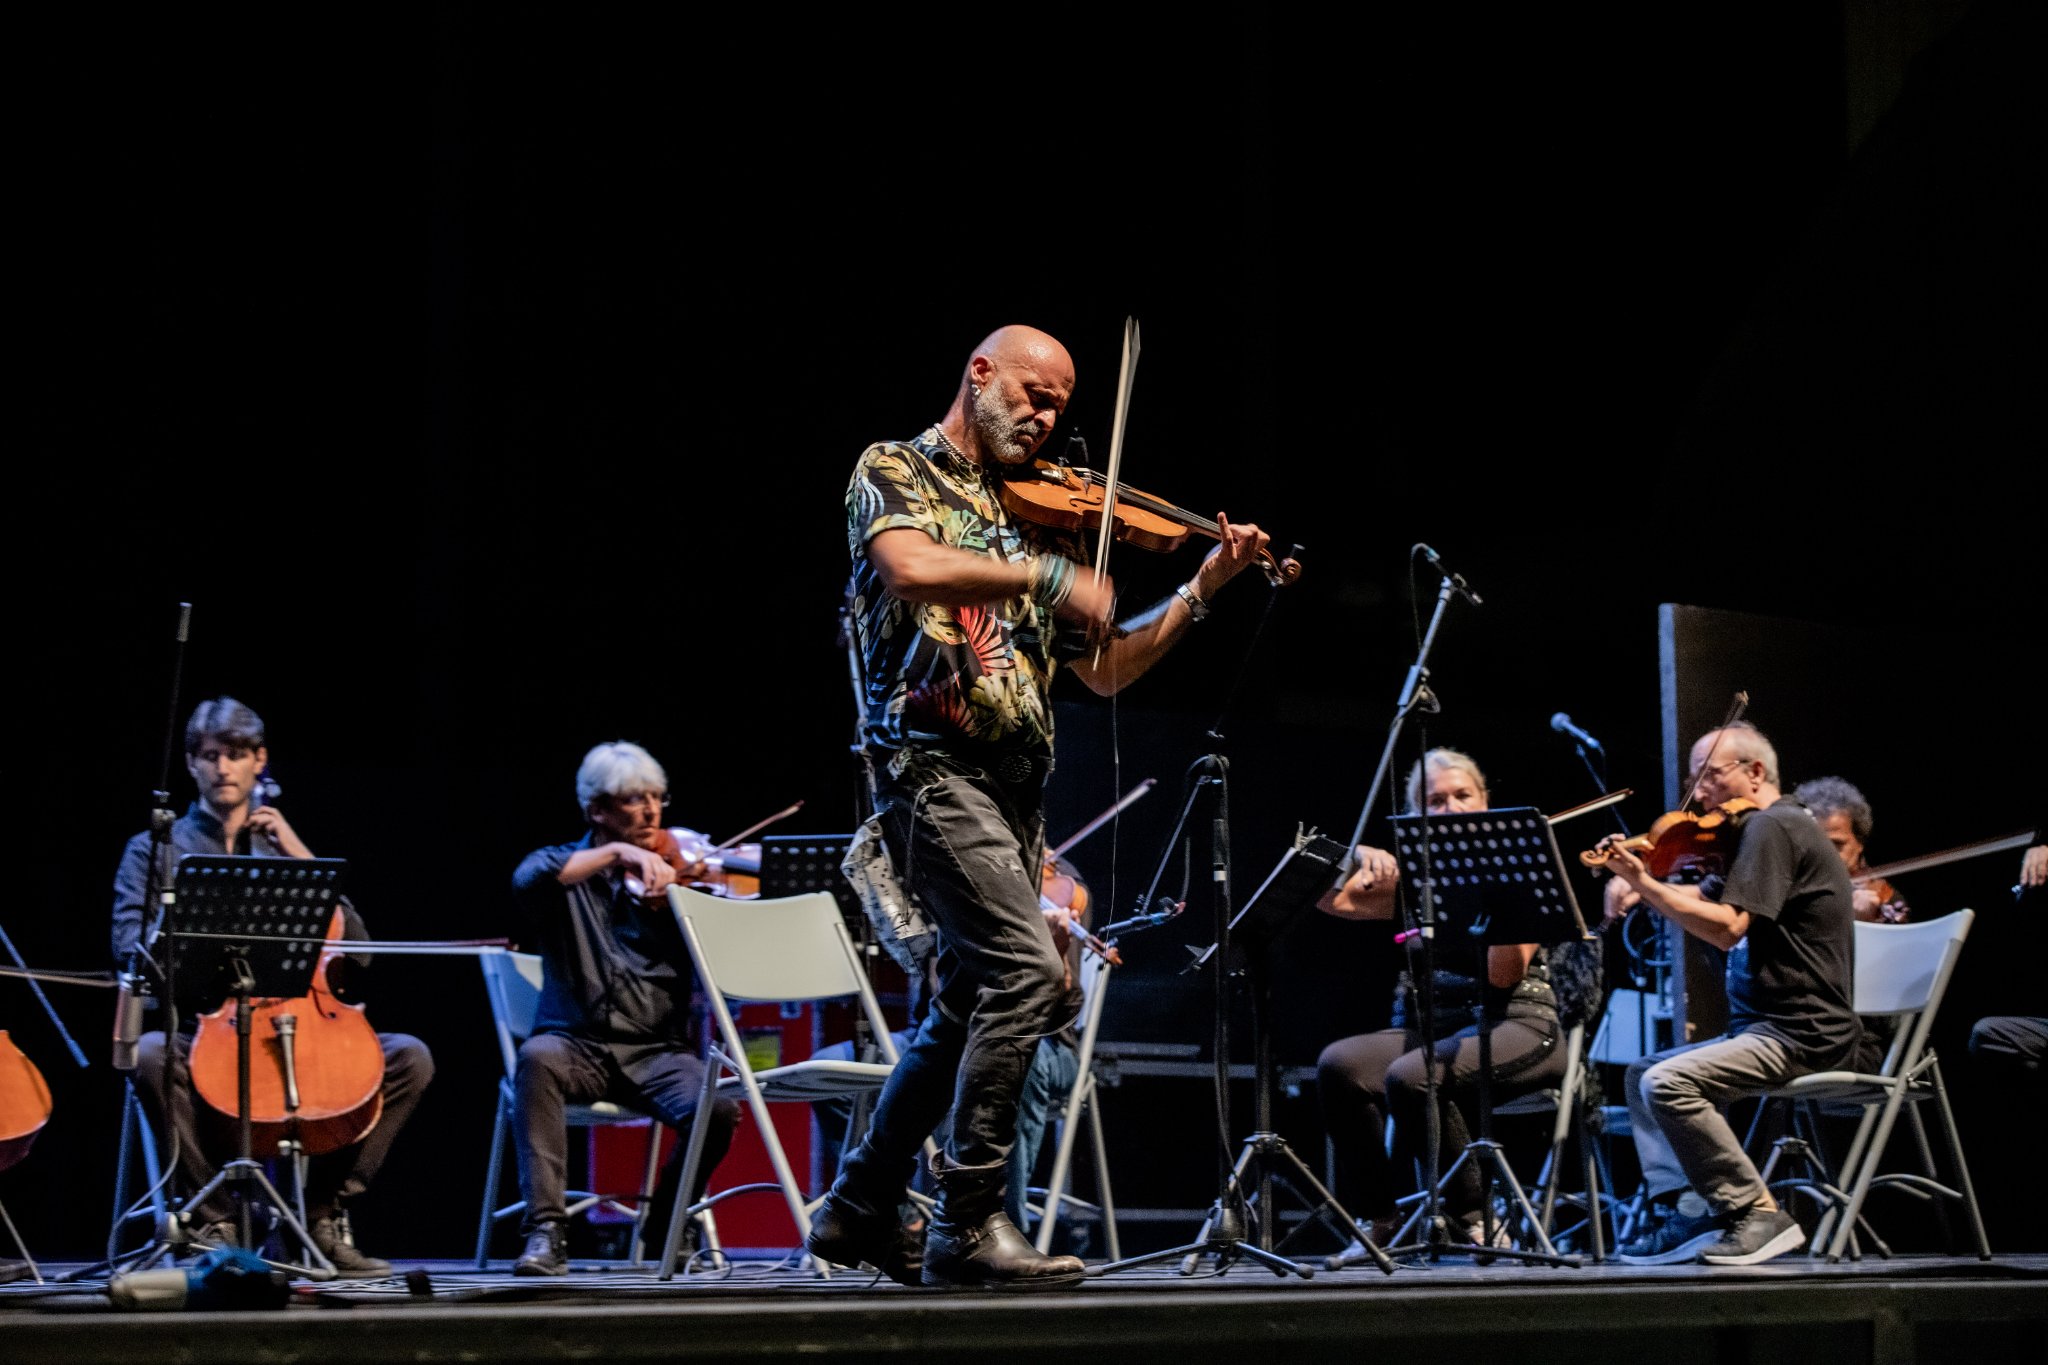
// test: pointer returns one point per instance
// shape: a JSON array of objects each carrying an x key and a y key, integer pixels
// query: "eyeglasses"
[
  {"x": 1715, "y": 771},
  {"x": 657, "y": 799}
]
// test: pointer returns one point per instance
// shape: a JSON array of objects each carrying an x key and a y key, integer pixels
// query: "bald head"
[
  {"x": 1021, "y": 345},
  {"x": 1016, "y": 386}
]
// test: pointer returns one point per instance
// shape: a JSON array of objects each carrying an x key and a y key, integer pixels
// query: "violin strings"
[{"x": 1125, "y": 493}]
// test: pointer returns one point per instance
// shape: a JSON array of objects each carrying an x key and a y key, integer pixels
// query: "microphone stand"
[
  {"x": 139, "y": 966},
  {"x": 1415, "y": 696},
  {"x": 1224, "y": 1231},
  {"x": 1599, "y": 775}
]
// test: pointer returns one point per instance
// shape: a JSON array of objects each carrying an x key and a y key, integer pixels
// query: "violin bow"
[
  {"x": 1735, "y": 710},
  {"x": 35, "y": 980},
  {"x": 1097, "y": 823},
  {"x": 1996, "y": 844},
  {"x": 757, "y": 825},
  {"x": 1105, "y": 534}
]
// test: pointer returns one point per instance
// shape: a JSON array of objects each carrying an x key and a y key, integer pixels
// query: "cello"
[
  {"x": 25, "y": 1104},
  {"x": 316, "y": 1068}
]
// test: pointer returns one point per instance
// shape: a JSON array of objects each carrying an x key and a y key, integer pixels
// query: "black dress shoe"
[
  {"x": 845, "y": 1235},
  {"x": 337, "y": 1243},
  {"x": 547, "y": 1252}
]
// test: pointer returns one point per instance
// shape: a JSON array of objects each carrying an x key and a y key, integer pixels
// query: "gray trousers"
[
  {"x": 1683, "y": 1139},
  {"x": 968, "y": 842}
]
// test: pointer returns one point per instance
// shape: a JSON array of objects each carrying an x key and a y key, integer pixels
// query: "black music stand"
[
  {"x": 1493, "y": 876},
  {"x": 792, "y": 864},
  {"x": 1296, "y": 882},
  {"x": 796, "y": 864},
  {"x": 244, "y": 927}
]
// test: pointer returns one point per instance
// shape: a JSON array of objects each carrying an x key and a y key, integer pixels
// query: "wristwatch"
[{"x": 1197, "y": 608}]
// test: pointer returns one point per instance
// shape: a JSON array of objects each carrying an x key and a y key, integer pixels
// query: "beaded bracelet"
[{"x": 1052, "y": 580}]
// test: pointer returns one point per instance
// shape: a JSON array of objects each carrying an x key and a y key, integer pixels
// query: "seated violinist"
[
  {"x": 614, "y": 1014},
  {"x": 1845, "y": 818},
  {"x": 1782, "y": 911},
  {"x": 226, "y": 755},
  {"x": 1364, "y": 1080}
]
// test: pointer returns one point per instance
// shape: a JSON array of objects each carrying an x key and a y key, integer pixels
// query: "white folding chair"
[
  {"x": 791, "y": 949},
  {"x": 513, "y": 981},
  {"x": 1084, "y": 1099},
  {"x": 1901, "y": 973}
]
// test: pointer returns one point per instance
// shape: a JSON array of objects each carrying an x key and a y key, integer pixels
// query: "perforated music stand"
[
  {"x": 244, "y": 927},
  {"x": 1488, "y": 877},
  {"x": 793, "y": 864}
]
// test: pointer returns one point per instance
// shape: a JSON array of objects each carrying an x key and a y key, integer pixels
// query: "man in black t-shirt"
[{"x": 1785, "y": 915}]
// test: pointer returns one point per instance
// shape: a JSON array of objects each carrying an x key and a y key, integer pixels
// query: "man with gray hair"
[
  {"x": 615, "y": 1005},
  {"x": 1783, "y": 915}
]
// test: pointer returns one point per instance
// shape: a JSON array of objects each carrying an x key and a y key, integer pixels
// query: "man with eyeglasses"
[
  {"x": 615, "y": 1005},
  {"x": 1785, "y": 914},
  {"x": 229, "y": 761}
]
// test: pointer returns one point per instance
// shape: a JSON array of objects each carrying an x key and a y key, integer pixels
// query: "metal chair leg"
[
  {"x": 655, "y": 1128},
  {"x": 493, "y": 1174}
]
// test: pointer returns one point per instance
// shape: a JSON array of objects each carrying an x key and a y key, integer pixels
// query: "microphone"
[
  {"x": 1562, "y": 723},
  {"x": 1457, "y": 580},
  {"x": 1165, "y": 908},
  {"x": 128, "y": 1004}
]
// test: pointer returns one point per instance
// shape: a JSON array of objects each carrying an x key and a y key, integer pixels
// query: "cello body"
[
  {"x": 24, "y": 1102},
  {"x": 316, "y": 1066}
]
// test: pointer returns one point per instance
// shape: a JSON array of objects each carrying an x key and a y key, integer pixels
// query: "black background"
[{"x": 489, "y": 380}]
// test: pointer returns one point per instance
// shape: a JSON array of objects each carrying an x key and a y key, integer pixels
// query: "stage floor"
[{"x": 1908, "y": 1308}]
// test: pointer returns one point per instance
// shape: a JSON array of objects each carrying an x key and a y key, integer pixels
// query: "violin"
[
  {"x": 1681, "y": 845},
  {"x": 24, "y": 1102},
  {"x": 730, "y": 870},
  {"x": 1067, "y": 498},
  {"x": 1889, "y": 910},
  {"x": 1060, "y": 888},
  {"x": 316, "y": 1066}
]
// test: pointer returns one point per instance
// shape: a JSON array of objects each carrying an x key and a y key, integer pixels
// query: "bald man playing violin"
[
  {"x": 1785, "y": 915},
  {"x": 963, "y": 614}
]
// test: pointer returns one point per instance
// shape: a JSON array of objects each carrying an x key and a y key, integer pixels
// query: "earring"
[{"x": 974, "y": 389}]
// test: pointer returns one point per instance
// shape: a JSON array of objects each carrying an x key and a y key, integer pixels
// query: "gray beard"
[{"x": 997, "y": 434}]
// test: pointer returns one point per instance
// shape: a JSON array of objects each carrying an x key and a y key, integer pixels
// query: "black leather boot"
[
  {"x": 973, "y": 1242},
  {"x": 845, "y": 1234}
]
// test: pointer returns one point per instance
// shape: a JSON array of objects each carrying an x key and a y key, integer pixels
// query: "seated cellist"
[{"x": 226, "y": 755}]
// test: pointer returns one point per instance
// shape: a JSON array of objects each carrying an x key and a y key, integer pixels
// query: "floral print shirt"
[{"x": 939, "y": 675}]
